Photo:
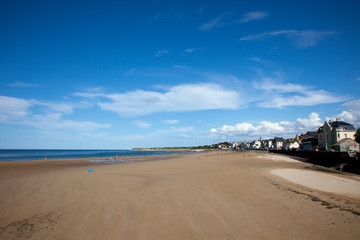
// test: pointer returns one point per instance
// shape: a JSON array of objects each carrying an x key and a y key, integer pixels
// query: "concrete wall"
[{"x": 323, "y": 158}]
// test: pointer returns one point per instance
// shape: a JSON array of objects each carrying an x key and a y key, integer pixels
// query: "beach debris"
[{"x": 90, "y": 170}]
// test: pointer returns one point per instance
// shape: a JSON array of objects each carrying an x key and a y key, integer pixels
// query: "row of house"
[{"x": 333, "y": 135}]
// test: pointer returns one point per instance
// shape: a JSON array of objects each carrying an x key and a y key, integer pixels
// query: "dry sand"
[
  {"x": 275, "y": 157},
  {"x": 320, "y": 181},
  {"x": 200, "y": 196}
]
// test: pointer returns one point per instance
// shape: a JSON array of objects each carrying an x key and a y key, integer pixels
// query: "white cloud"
[
  {"x": 186, "y": 97},
  {"x": 279, "y": 95},
  {"x": 17, "y": 111},
  {"x": 55, "y": 121},
  {"x": 311, "y": 123},
  {"x": 266, "y": 129},
  {"x": 352, "y": 112},
  {"x": 142, "y": 124},
  {"x": 62, "y": 107},
  {"x": 13, "y": 108},
  {"x": 253, "y": 16},
  {"x": 311, "y": 98},
  {"x": 301, "y": 39},
  {"x": 286, "y": 129},
  {"x": 346, "y": 116},
  {"x": 272, "y": 85},
  {"x": 171, "y": 121}
]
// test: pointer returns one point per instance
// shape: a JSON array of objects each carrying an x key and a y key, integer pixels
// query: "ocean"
[{"x": 36, "y": 154}]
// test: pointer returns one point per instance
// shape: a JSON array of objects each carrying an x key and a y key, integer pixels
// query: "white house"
[{"x": 278, "y": 142}]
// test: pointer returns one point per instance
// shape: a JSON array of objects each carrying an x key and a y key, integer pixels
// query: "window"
[
  {"x": 345, "y": 135},
  {"x": 338, "y": 135}
]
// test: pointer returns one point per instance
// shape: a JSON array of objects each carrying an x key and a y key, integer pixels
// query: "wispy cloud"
[
  {"x": 13, "y": 108},
  {"x": 61, "y": 107},
  {"x": 227, "y": 19},
  {"x": 180, "y": 98},
  {"x": 265, "y": 35},
  {"x": 301, "y": 39},
  {"x": 176, "y": 130},
  {"x": 182, "y": 67},
  {"x": 259, "y": 60},
  {"x": 23, "y": 84},
  {"x": 253, "y": 16},
  {"x": 214, "y": 23},
  {"x": 159, "y": 53},
  {"x": 142, "y": 124},
  {"x": 18, "y": 111},
  {"x": 280, "y": 95},
  {"x": 55, "y": 121},
  {"x": 191, "y": 50},
  {"x": 171, "y": 121},
  {"x": 130, "y": 72}
]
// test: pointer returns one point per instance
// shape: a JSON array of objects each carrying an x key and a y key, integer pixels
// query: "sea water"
[{"x": 36, "y": 154}]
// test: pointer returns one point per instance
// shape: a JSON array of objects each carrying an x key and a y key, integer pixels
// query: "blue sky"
[{"x": 123, "y": 74}]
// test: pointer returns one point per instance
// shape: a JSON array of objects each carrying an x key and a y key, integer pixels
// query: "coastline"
[
  {"x": 182, "y": 149},
  {"x": 61, "y": 154},
  {"x": 214, "y": 195}
]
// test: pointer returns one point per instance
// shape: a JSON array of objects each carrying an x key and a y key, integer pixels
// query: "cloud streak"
[
  {"x": 171, "y": 121},
  {"x": 180, "y": 98},
  {"x": 280, "y": 95},
  {"x": 23, "y": 84},
  {"x": 13, "y": 108},
  {"x": 214, "y": 23},
  {"x": 225, "y": 19},
  {"x": 18, "y": 111},
  {"x": 301, "y": 39},
  {"x": 54, "y": 121},
  {"x": 142, "y": 124},
  {"x": 253, "y": 16},
  {"x": 191, "y": 50}
]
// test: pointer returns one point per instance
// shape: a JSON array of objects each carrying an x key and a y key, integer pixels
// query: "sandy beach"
[{"x": 215, "y": 195}]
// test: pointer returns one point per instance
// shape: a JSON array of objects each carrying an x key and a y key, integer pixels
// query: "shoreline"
[{"x": 44, "y": 155}]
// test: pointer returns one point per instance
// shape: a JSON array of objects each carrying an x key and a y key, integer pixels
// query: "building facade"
[
  {"x": 334, "y": 131},
  {"x": 347, "y": 145}
]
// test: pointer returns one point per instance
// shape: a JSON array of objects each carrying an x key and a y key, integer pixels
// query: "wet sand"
[{"x": 199, "y": 196}]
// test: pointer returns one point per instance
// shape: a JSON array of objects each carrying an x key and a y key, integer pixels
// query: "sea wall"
[{"x": 323, "y": 158}]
